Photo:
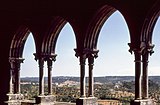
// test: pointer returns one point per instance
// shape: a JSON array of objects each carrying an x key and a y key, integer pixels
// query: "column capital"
[
  {"x": 51, "y": 57},
  {"x": 149, "y": 49},
  {"x": 92, "y": 53},
  {"x": 16, "y": 60},
  {"x": 45, "y": 56},
  {"x": 136, "y": 49},
  {"x": 142, "y": 49},
  {"x": 38, "y": 56},
  {"x": 86, "y": 52}
]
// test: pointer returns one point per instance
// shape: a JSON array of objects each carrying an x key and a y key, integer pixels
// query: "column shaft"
[
  {"x": 49, "y": 63},
  {"x": 41, "y": 77},
  {"x": 145, "y": 76},
  {"x": 11, "y": 82},
  {"x": 17, "y": 82},
  {"x": 12, "y": 67},
  {"x": 137, "y": 75},
  {"x": 17, "y": 76},
  {"x": 82, "y": 76},
  {"x": 91, "y": 79}
]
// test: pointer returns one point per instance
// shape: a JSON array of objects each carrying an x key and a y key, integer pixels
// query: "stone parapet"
[
  {"x": 46, "y": 99},
  {"x": 143, "y": 102},
  {"x": 14, "y": 99},
  {"x": 87, "y": 101}
]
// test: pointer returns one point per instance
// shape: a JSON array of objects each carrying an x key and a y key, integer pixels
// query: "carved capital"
[
  {"x": 149, "y": 49},
  {"x": 15, "y": 64},
  {"x": 16, "y": 60},
  {"x": 137, "y": 49},
  {"x": 91, "y": 52},
  {"x": 143, "y": 48},
  {"x": 19, "y": 60},
  {"x": 38, "y": 56},
  {"x": 45, "y": 56},
  {"x": 50, "y": 57},
  {"x": 87, "y": 53}
]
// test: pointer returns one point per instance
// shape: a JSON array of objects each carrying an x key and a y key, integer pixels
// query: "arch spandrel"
[
  {"x": 18, "y": 41},
  {"x": 96, "y": 24},
  {"x": 149, "y": 23},
  {"x": 50, "y": 38}
]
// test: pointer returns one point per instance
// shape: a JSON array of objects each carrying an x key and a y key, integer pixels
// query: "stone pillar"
[
  {"x": 91, "y": 78},
  {"x": 82, "y": 76},
  {"x": 92, "y": 54},
  {"x": 148, "y": 50},
  {"x": 50, "y": 59},
  {"x": 45, "y": 99},
  {"x": 41, "y": 76},
  {"x": 145, "y": 76},
  {"x": 18, "y": 62},
  {"x": 49, "y": 64},
  {"x": 137, "y": 75},
  {"x": 90, "y": 99},
  {"x": 12, "y": 67},
  {"x": 141, "y": 76},
  {"x": 14, "y": 95}
]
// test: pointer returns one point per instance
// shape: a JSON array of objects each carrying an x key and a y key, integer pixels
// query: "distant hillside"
[
  {"x": 105, "y": 79},
  {"x": 114, "y": 79}
]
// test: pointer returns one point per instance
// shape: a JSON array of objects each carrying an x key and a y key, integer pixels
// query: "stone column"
[
  {"x": 82, "y": 75},
  {"x": 91, "y": 78},
  {"x": 137, "y": 75},
  {"x": 145, "y": 76},
  {"x": 92, "y": 54},
  {"x": 49, "y": 64},
  {"x": 18, "y": 62},
  {"x": 12, "y": 67},
  {"x": 41, "y": 76},
  {"x": 146, "y": 52},
  {"x": 50, "y": 59},
  {"x": 40, "y": 58}
]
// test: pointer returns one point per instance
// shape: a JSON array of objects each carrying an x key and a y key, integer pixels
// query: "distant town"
[{"x": 116, "y": 90}]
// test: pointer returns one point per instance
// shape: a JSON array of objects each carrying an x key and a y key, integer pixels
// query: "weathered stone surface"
[
  {"x": 14, "y": 99},
  {"x": 143, "y": 102},
  {"x": 45, "y": 99},
  {"x": 87, "y": 101}
]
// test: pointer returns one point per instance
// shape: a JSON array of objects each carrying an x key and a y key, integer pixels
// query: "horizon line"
[{"x": 87, "y": 76}]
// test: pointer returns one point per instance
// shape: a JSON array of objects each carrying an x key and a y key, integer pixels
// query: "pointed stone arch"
[
  {"x": 18, "y": 42},
  {"x": 49, "y": 42},
  {"x": 149, "y": 23},
  {"x": 95, "y": 25}
]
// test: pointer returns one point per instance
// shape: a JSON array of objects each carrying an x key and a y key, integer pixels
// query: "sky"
[{"x": 113, "y": 57}]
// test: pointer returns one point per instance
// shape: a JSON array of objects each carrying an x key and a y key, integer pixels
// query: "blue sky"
[{"x": 113, "y": 57}]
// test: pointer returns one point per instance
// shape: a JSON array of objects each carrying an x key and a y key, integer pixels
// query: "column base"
[
  {"x": 143, "y": 102},
  {"x": 45, "y": 99},
  {"x": 14, "y": 99},
  {"x": 87, "y": 101}
]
